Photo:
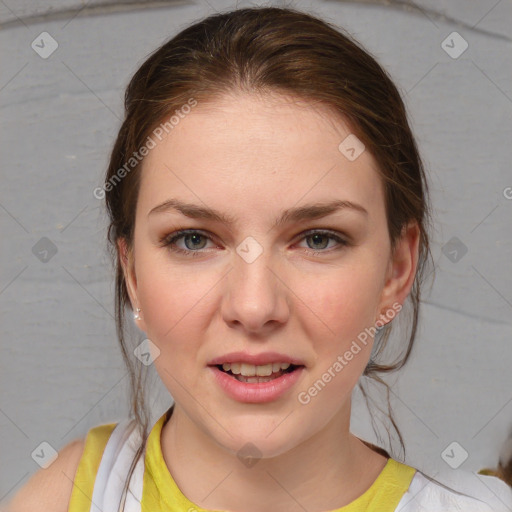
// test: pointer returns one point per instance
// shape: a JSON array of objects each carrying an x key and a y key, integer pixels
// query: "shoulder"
[
  {"x": 50, "y": 488},
  {"x": 456, "y": 490},
  {"x": 53, "y": 488}
]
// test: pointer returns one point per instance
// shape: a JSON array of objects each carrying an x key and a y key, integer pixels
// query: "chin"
[{"x": 260, "y": 439}]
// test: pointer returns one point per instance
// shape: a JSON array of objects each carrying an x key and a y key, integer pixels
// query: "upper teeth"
[{"x": 250, "y": 370}]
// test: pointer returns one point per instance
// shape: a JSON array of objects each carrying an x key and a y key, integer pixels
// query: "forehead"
[{"x": 252, "y": 152}]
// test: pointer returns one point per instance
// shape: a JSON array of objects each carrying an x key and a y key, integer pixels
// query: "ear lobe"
[{"x": 402, "y": 268}]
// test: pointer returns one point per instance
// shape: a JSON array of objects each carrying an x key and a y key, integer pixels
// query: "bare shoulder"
[{"x": 50, "y": 488}]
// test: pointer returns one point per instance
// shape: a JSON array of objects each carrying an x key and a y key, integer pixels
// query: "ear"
[
  {"x": 127, "y": 261},
  {"x": 401, "y": 271}
]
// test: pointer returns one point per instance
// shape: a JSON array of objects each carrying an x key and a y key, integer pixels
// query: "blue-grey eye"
[
  {"x": 196, "y": 240},
  {"x": 318, "y": 237}
]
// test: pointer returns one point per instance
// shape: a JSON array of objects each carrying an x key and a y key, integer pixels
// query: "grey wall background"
[{"x": 61, "y": 371}]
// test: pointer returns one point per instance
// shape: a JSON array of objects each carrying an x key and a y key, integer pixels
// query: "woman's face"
[{"x": 268, "y": 278}]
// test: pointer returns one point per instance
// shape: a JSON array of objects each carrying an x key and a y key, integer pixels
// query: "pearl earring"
[{"x": 136, "y": 315}]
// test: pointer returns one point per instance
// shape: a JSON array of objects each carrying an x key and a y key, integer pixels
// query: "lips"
[
  {"x": 256, "y": 389},
  {"x": 256, "y": 359}
]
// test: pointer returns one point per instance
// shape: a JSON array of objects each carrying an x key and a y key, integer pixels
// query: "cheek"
[
  {"x": 173, "y": 302},
  {"x": 336, "y": 316},
  {"x": 341, "y": 305},
  {"x": 175, "y": 307}
]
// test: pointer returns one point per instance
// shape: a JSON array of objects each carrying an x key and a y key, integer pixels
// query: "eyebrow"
[{"x": 296, "y": 214}]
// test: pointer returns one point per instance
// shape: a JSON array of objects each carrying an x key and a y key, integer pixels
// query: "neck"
[{"x": 325, "y": 472}]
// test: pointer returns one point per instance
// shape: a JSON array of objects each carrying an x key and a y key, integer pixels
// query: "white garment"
[
  {"x": 455, "y": 491},
  {"x": 114, "y": 468}
]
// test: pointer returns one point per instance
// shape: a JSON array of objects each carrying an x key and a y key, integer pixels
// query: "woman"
[{"x": 268, "y": 219}]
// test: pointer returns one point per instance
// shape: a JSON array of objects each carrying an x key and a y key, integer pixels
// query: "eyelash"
[{"x": 170, "y": 240}]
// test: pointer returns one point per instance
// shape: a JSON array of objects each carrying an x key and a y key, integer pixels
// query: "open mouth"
[{"x": 237, "y": 374}]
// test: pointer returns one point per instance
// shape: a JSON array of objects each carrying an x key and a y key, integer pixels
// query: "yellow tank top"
[{"x": 159, "y": 492}]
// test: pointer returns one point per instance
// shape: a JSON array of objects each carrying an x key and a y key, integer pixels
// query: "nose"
[{"x": 255, "y": 297}]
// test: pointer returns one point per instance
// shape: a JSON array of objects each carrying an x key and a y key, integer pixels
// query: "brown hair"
[{"x": 271, "y": 49}]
